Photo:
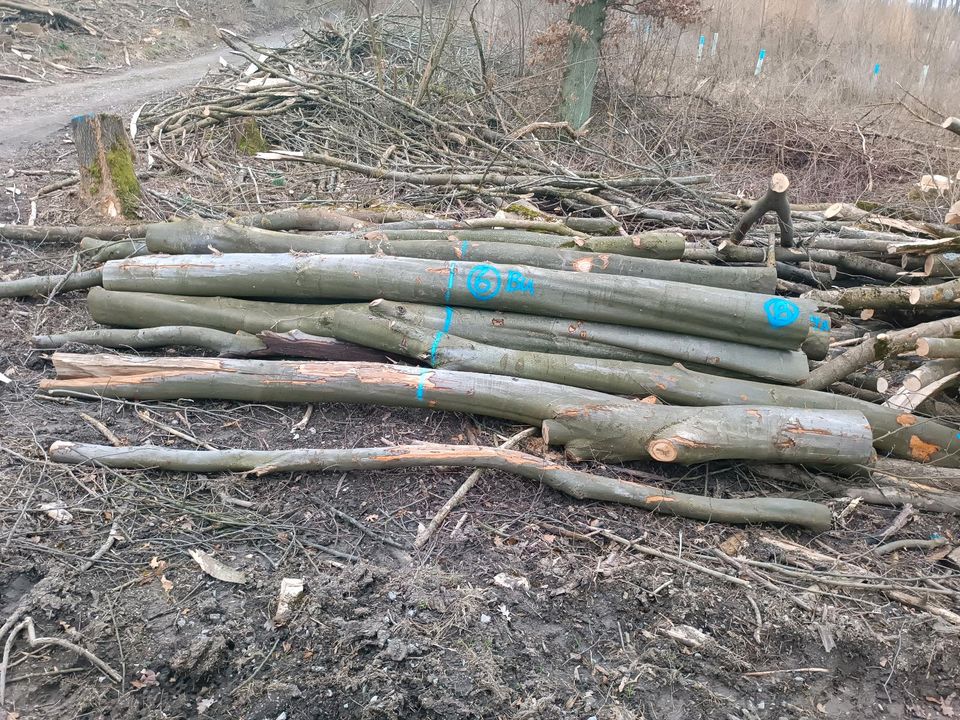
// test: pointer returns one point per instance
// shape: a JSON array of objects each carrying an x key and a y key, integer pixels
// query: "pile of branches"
[{"x": 422, "y": 118}]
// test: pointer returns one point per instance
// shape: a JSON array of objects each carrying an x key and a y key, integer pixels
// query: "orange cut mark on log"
[
  {"x": 659, "y": 499},
  {"x": 906, "y": 420},
  {"x": 583, "y": 265},
  {"x": 922, "y": 451}
]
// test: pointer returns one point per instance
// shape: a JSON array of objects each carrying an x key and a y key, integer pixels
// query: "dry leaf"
[
  {"x": 166, "y": 584},
  {"x": 147, "y": 678},
  {"x": 511, "y": 582},
  {"x": 56, "y": 511},
  {"x": 204, "y": 705},
  {"x": 733, "y": 544},
  {"x": 290, "y": 590},
  {"x": 216, "y": 569}
]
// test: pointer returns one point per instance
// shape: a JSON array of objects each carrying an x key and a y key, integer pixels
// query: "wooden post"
[{"x": 105, "y": 153}]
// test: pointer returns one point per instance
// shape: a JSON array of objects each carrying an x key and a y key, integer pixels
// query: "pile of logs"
[{"x": 657, "y": 345}]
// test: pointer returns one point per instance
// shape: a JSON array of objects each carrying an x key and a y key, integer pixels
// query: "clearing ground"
[{"x": 526, "y": 604}]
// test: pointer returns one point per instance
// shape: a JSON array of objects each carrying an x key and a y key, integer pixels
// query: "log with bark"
[
  {"x": 894, "y": 431},
  {"x": 572, "y": 482},
  {"x": 69, "y": 233},
  {"x": 600, "y": 340},
  {"x": 591, "y": 425},
  {"x": 293, "y": 343},
  {"x": 942, "y": 296},
  {"x": 198, "y": 237},
  {"x": 45, "y": 285},
  {"x": 717, "y": 313}
]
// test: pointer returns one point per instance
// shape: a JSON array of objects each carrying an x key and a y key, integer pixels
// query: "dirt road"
[{"x": 36, "y": 114}]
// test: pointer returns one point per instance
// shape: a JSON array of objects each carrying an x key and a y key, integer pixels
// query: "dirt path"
[{"x": 33, "y": 116}]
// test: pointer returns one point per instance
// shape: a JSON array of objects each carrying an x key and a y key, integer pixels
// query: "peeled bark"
[
  {"x": 574, "y": 337},
  {"x": 717, "y": 313},
  {"x": 43, "y": 285},
  {"x": 572, "y": 482},
  {"x": 588, "y": 418},
  {"x": 166, "y": 238},
  {"x": 903, "y": 434},
  {"x": 774, "y": 200}
]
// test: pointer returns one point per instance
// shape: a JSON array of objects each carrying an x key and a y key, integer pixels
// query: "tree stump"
[{"x": 108, "y": 179}]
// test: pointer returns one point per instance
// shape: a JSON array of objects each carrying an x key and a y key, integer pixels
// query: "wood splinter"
[{"x": 774, "y": 200}]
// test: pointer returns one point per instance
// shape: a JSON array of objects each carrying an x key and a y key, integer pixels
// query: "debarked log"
[
  {"x": 718, "y": 313},
  {"x": 897, "y": 432},
  {"x": 607, "y": 427},
  {"x": 161, "y": 238},
  {"x": 613, "y": 342},
  {"x": 572, "y": 482}
]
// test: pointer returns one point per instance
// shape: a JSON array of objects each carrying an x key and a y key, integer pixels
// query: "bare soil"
[{"x": 386, "y": 631}]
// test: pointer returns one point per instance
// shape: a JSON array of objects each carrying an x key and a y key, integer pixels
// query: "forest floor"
[{"x": 526, "y": 604}]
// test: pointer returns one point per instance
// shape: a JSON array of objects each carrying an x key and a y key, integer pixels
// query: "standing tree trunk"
[
  {"x": 107, "y": 176},
  {"x": 583, "y": 61}
]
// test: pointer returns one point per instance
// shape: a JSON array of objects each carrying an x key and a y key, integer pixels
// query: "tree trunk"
[
  {"x": 583, "y": 60},
  {"x": 147, "y": 310},
  {"x": 572, "y": 482},
  {"x": 774, "y": 200},
  {"x": 593, "y": 424},
  {"x": 108, "y": 178},
  {"x": 717, "y": 313},
  {"x": 901, "y": 433},
  {"x": 613, "y": 342},
  {"x": 181, "y": 239},
  {"x": 945, "y": 295}
]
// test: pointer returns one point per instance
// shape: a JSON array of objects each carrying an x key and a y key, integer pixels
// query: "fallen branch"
[
  {"x": 944, "y": 295},
  {"x": 70, "y": 233},
  {"x": 45, "y": 10},
  {"x": 578, "y": 484},
  {"x": 46, "y": 285},
  {"x": 952, "y": 124},
  {"x": 26, "y": 625}
]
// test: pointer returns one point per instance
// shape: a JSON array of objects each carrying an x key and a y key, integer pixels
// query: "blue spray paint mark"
[
  {"x": 781, "y": 312},
  {"x": 440, "y": 333},
  {"x": 516, "y": 282},
  {"x": 463, "y": 249},
  {"x": 421, "y": 383},
  {"x": 760, "y": 56},
  {"x": 820, "y": 323},
  {"x": 450, "y": 277},
  {"x": 484, "y": 282}
]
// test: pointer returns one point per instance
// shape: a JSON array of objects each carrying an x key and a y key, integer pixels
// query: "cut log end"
[
  {"x": 915, "y": 295},
  {"x": 882, "y": 385},
  {"x": 923, "y": 347},
  {"x": 866, "y": 313},
  {"x": 663, "y": 451},
  {"x": 779, "y": 183}
]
